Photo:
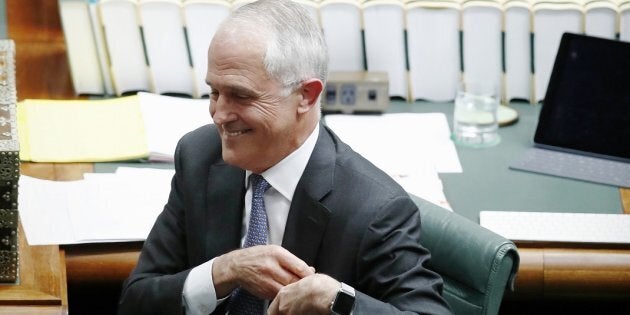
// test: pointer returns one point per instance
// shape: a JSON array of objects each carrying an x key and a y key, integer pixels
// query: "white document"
[
  {"x": 433, "y": 50},
  {"x": 202, "y": 21},
  {"x": 166, "y": 47},
  {"x": 101, "y": 47},
  {"x": 412, "y": 148},
  {"x": 400, "y": 142},
  {"x": 385, "y": 43},
  {"x": 482, "y": 45},
  {"x": 83, "y": 54},
  {"x": 341, "y": 23},
  {"x": 600, "y": 18},
  {"x": 551, "y": 20},
  {"x": 43, "y": 210},
  {"x": 518, "y": 57},
  {"x": 426, "y": 185},
  {"x": 624, "y": 21},
  {"x": 101, "y": 208},
  {"x": 167, "y": 119},
  {"x": 121, "y": 27},
  {"x": 121, "y": 206}
]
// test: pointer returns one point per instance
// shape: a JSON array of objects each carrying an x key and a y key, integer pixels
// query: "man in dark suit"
[{"x": 338, "y": 235}]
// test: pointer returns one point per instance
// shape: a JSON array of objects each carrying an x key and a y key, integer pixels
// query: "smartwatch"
[{"x": 344, "y": 301}]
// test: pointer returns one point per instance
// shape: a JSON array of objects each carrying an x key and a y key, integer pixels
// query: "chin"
[
  {"x": 229, "y": 156},
  {"x": 235, "y": 159}
]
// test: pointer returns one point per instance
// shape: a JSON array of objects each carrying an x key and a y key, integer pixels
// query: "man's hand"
[
  {"x": 261, "y": 270},
  {"x": 311, "y": 295}
]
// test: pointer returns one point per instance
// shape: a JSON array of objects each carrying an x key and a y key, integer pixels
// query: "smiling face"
[{"x": 259, "y": 122}]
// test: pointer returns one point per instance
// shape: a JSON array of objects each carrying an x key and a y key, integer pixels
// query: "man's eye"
[{"x": 241, "y": 96}]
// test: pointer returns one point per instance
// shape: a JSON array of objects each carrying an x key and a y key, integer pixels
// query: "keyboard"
[
  {"x": 574, "y": 166},
  {"x": 558, "y": 227}
]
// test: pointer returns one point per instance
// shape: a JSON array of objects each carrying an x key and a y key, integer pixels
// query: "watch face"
[{"x": 343, "y": 303}]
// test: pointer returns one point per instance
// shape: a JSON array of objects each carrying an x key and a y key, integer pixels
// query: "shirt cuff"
[{"x": 199, "y": 296}]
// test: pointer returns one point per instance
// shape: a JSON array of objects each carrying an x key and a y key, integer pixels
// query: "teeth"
[{"x": 234, "y": 133}]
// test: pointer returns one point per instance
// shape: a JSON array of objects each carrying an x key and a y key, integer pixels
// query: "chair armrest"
[{"x": 477, "y": 265}]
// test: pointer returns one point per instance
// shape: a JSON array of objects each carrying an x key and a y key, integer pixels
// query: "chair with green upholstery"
[{"x": 477, "y": 265}]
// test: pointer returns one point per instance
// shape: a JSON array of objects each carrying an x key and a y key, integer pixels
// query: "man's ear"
[{"x": 310, "y": 90}]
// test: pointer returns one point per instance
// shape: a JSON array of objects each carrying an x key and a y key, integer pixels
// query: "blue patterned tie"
[{"x": 244, "y": 302}]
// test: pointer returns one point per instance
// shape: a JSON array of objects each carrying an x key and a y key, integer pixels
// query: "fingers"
[
  {"x": 274, "y": 307},
  {"x": 262, "y": 270},
  {"x": 286, "y": 268},
  {"x": 310, "y": 295},
  {"x": 293, "y": 264}
]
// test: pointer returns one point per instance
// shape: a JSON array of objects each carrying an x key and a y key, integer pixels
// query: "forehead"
[{"x": 236, "y": 54}]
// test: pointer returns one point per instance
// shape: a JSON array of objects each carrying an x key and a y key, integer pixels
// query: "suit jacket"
[{"x": 347, "y": 219}]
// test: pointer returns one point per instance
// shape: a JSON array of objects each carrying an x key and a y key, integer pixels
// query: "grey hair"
[{"x": 295, "y": 46}]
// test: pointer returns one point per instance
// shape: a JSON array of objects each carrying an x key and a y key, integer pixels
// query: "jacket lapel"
[
  {"x": 308, "y": 217},
  {"x": 226, "y": 188}
]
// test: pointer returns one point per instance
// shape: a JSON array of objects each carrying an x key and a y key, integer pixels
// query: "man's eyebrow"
[{"x": 237, "y": 89}]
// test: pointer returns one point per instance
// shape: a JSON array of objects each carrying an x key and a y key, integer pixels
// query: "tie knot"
[{"x": 259, "y": 184}]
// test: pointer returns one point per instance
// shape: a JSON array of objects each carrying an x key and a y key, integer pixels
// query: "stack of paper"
[
  {"x": 101, "y": 208},
  {"x": 411, "y": 148},
  {"x": 166, "y": 119},
  {"x": 126, "y": 128}
]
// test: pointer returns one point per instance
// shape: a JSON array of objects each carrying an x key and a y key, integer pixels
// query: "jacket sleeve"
[
  {"x": 155, "y": 285},
  {"x": 392, "y": 265}
]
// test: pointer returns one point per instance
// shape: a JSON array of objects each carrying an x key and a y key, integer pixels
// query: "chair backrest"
[{"x": 477, "y": 265}]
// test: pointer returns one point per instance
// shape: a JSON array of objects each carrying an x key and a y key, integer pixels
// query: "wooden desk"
[
  {"x": 42, "y": 282},
  {"x": 546, "y": 270}
]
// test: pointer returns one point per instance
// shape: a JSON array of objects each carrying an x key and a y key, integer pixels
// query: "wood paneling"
[
  {"x": 624, "y": 194},
  {"x": 42, "y": 69},
  {"x": 573, "y": 273},
  {"x": 56, "y": 171}
]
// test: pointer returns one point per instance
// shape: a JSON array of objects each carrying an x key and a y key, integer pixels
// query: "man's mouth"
[{"x": 235, "y": 133}]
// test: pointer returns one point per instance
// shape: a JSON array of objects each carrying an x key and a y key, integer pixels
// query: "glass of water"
[{"x": 475, "y": 122}]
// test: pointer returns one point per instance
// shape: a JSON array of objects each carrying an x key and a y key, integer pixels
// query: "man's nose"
[{"x": 220, "y": 111}]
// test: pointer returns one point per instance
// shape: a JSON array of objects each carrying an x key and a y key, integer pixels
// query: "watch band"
[{"x": 344, "y": 301}]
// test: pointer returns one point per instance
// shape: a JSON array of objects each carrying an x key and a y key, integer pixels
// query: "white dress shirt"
[{"x": 199, "y": 295}]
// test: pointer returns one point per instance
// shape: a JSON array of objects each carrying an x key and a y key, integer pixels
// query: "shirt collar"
[{"x": 285, "y": 175}]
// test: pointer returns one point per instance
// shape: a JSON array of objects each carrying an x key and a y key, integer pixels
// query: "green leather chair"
[{"x": 477, "y": 265}]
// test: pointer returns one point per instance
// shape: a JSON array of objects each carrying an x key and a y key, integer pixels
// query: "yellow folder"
[{"x": 81, "y": 130}]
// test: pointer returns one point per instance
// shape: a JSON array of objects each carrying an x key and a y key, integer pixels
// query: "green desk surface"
[{"x": 487, "y": 183}]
